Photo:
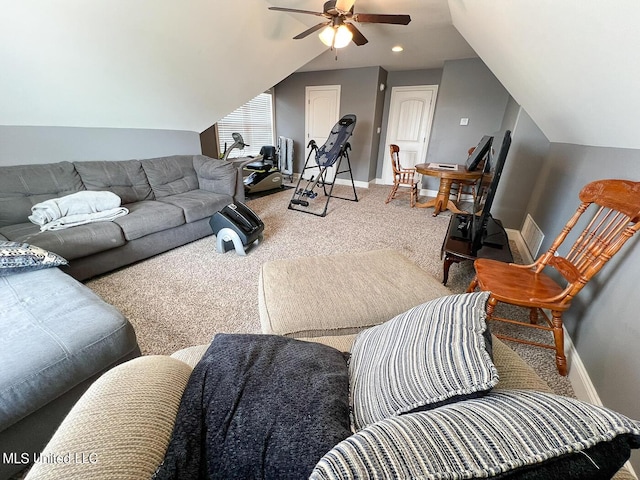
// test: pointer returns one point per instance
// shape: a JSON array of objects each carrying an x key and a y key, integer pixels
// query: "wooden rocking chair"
[
  {"x": 615, "y": 218},
  {"x": 402, "y": 177}
]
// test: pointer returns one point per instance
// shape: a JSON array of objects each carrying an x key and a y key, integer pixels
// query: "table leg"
[
  {"x": 436, "y": 202},
  {"x": 442, "y": 201},
  {"x": 449, "y": 259}
]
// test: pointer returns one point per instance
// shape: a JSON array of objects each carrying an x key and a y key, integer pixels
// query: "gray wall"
[
  {"x": 603, "y": 319},
  {"x": 359, "y": 95},
  {"x": 468, "y": 90},
  {"x": 529, "y": 147},
  {"x": 28, "y": 145}
]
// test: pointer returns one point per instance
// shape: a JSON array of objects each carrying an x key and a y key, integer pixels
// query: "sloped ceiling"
[
  {"x": 182, "y": 65},
  {"x": 158, "y": 64},
  {"x": 572, "y": 65}
]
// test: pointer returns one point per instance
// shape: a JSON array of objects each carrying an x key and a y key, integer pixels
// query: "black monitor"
[
  {"x": 486, "y": 191},
  {"x": 479, "y": 153}
]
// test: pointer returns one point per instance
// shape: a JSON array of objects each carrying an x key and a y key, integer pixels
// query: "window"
[{"x": 254, "y": 121}]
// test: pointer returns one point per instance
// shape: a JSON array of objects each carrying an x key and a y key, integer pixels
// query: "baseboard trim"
[
  {"x": 342, "y": 181},
  {"x": 357, "y": 183}
]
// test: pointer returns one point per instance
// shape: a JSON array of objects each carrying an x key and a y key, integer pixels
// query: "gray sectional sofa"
[
  {"x": 58, "y": 337},
  {"x": 170, "y": 200}
]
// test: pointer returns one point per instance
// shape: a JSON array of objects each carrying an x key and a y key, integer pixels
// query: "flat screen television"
[
  {"x": 486, "y": 190},
  {"x": 479, "y": 153}
]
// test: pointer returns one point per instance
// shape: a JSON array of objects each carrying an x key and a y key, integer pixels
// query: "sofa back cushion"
[
  {"x": 170, "y": 175},
  {"x": 22, "y": 186},
  {"x": 124, "y": 178}
]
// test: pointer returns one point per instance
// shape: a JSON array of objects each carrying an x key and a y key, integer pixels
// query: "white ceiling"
[
  {"x": 163, "y": 64},
  {"x": 428, "y": 40}
]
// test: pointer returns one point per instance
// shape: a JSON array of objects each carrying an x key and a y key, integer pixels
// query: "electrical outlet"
[{"x": 464, "y": 121}]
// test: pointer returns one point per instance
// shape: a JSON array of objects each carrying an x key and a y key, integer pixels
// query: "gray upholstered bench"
[
  {"x": 57, "y": 338},
  {"x": 339, "y": 295}
]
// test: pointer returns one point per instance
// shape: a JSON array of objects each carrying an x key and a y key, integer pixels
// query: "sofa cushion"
[
  {"x": 149, "y": 217},
  {"x": 56, "y": 333},
  {"x": 197, "y": 204},
  {"x": 513, "y": 434},
  {"x": 70, "y": 243},
  {"x": 124, "y": 178},
  {"x": 21, "y": 257},
  {"x": 433, "y": 354},
  {"x": 23, "y": 186},
  {"x": 170, "y": 175},
  {"x": 215, "y": 175}
]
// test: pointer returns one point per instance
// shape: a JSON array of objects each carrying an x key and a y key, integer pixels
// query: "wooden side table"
[{"x": 447, "y": 177}]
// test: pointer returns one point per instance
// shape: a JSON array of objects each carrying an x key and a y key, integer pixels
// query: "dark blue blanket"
[{"x": 259, "y": 407}]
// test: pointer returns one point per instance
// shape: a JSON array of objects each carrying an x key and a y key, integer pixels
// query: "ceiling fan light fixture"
[
  {"x": 326, "y": 35},
  {"x": 343, "y": 37},
  {"x": 336, "y": 37}
]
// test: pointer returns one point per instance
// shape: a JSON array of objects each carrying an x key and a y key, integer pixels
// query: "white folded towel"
[
  {"x": 77, "y": 209},
  {"x": 84, "y": 218}
]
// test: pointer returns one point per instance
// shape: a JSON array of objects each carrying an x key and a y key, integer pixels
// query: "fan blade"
[
  {"x": 309, "y": 31},
  {"x": 344, "y": 5},
  {"x": 382, "y": 18},
  {"x": 358, "y": 38},
  {"x": 293, "y": 10}
]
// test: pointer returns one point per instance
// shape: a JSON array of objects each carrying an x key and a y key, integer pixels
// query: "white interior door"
[
  {"x": 410, "y": 118},
  {"x": 321, "y": 114}
]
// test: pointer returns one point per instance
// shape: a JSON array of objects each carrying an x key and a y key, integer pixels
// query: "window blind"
[{"x": 254, "y": 121}]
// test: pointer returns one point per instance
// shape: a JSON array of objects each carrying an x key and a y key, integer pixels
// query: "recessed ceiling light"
[{"x": 397, "y": 48}]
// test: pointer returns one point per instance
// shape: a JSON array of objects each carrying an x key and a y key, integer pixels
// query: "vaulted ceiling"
[{"x": 165, "y": 64}]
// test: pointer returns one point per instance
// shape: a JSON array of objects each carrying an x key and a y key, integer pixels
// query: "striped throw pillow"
[
  {"x": 513, "y": 434},
  {"x": 433, "y": 354}
]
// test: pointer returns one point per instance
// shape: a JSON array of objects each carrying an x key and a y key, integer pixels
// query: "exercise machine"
[
  {"x": 259, "y": 173},
  {"x": 333, "y": 152},
  {"x": 263, "y": 174}
]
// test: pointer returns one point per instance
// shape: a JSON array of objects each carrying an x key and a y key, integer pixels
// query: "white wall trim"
[
  {"x": 357, "y": 183},
  {"x": 339, "y": 181}
]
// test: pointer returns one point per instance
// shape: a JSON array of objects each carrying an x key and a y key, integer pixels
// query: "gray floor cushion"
[{"x": 56, "y": 333}]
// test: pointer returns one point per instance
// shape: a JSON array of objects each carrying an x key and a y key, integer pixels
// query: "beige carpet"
[{"x": 185, "y": 296}]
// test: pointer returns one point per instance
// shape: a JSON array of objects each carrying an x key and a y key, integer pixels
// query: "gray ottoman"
[
  {"x": 338, "y": 295},
  {"x": 57, "y": 337}
]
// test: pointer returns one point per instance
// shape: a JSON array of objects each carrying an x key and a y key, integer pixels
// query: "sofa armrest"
[
  {"x": 121, "y": 426},
  {"x": 219, "y": 176}
]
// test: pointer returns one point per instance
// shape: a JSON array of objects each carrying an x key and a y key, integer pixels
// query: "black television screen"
[
  {"x": 486, "y": 189},
  {"x": 479, "y": 153}
]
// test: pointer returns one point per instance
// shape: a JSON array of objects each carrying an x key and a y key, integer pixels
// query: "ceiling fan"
[{"x": 337, "y": 30}]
